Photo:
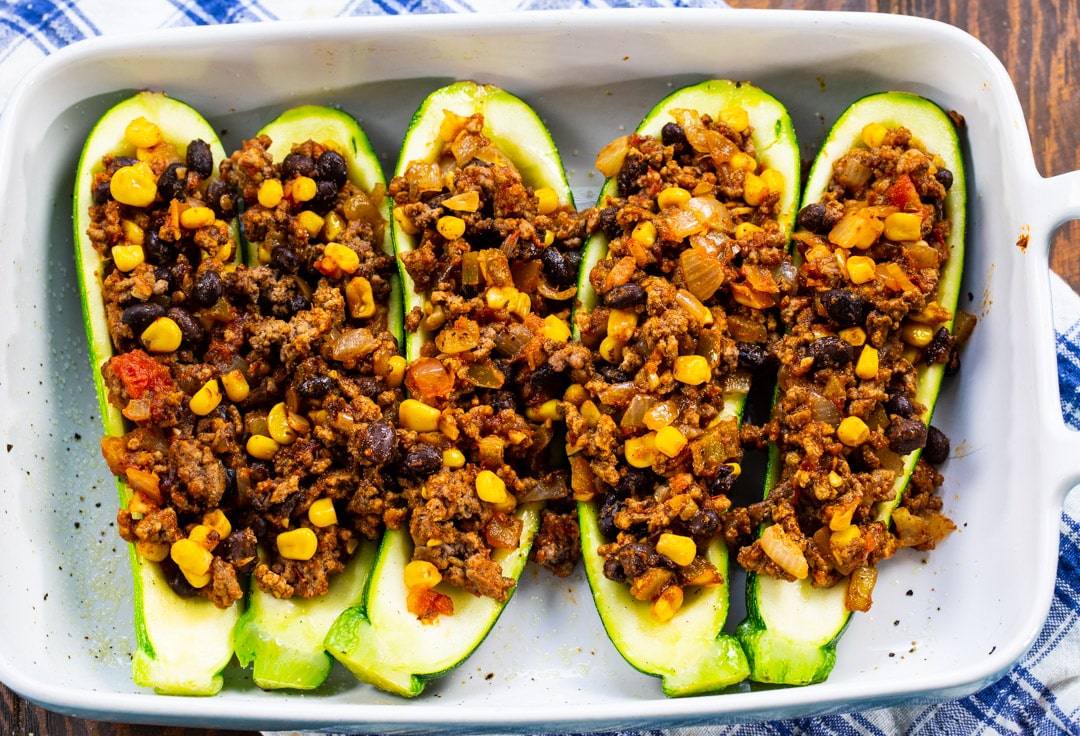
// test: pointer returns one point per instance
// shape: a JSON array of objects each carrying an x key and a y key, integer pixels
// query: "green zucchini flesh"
[
  {"x": 690, "y": 653},
  {"x": 282, "y": 639},
  {"x": 166, "y": 626},
  {"x": 379, "y": 640},
  {"x": 792, "y": 628}
]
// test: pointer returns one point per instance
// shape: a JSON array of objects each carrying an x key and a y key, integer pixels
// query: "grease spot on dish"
[{"x": 1024, "y": 239}]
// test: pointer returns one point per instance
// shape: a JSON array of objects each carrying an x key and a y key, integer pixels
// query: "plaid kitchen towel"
[{"x": 1040, "y": 695}]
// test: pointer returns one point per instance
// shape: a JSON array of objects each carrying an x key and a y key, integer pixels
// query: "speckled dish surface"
[{"x": 942, "y": 624}]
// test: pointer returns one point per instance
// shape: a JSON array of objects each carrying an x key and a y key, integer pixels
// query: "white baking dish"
[{"x": 942, "y": 624}]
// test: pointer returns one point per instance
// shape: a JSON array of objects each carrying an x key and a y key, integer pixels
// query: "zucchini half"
[
  {"x": 690, "y": 653},
  {"x": 165, "y": 624},
  {"x": 283, "y": 638},
  {"x": 379, "y": 640},
  {"x": 791, "y": 629}
]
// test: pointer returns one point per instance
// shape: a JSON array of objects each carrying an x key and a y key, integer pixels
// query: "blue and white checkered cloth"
[{"x": 1040, "y": 695}]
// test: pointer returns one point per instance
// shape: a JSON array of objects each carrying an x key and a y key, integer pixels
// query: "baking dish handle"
[{"x": 1056, "y": 200}]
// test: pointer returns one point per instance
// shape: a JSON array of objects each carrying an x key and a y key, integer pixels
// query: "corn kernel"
[
  {"x": 195, "y": 217},
  {"x": 672, "y": 197},
  {"x": 856, "y": 230},
  {"x": 402, "y": 220},
  {"x": 333, "y": 226},
  {"x": 861, "y": 269},
  {"x": 191, "y": 556},
  {"x": 453, "y": 458},
  {"x": 133, "y": 234},
  {"x": 670, "y": 441},
  {"x": 218, "y": 521},
  {"x": 692, "y": 370},
  {"x": 128, "y": 257},
  {"x": 142, "y": 133},
  {"x": 546, "y": 200},
  {"x": 736, "y": 469},
  {"x": 311, "y": 222},
  {"x": 162, "y": 336},
  {"x": 644, "y": 233},
  {"x": 262, "y": 447},
  {"x": 490, "y": 487},
  {"x": 903, "y": 226},
  {"x": 134, "y": 185},
  {"x": 916, "y": 335},
  {"x": 590, "y": 412},
  {"x": 418, "y": 416},
  {"x": 740, "y": 161},
  {"x": 611, "y": 350},
  {"x": 844, "y": 537},
  {"x": 853, "y": 336},
  {"x": 297, "y": 544},
  {"x": 153, "y": 551},
  {"x": 270, "y": 193},
  {"x": 840, "y": 521},
  {"x": 873, "y": 134},
  {"x": 500, "y": 297},
  {"x": 450, "y": 227},
  {"x": 359, "y": 297},
  {"x": 754, "y": 189},
  {"x": 621, "y": 324},
  {"x": 746, "y": 229},
  {"x": 321, "y": 513},
  {"x": 550, "y": 410},
  {"x": 421, "y": 574},
  {"x": 340, "y": 256},
  {"x": 678, "y": 548},
  {"x": 773, "y": 179},
  {"x": 667, "y": 604},
  {"x": 194, "y": 580},
  {"x": 735, "y": 118},
  {"x": 555, "y": 329},
  {"x": 520, "y": 305},
  {"x": 204, "y": 536},
  {"x": 866, "y": 367},
  {"x": 396, "y": 371},
  {"x": 853, "y": 431},
  {"x": 303, "y": 189},
  {"x": 641, "y": 451},
  {"x": 575, "y": 394},
  {"x": 206, "y": 399},
  {"x": 277, "y": 424},
  {"x": 236, "y": 385}
]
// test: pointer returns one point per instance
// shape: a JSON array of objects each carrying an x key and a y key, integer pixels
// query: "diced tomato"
[
  {"x": 503, "y": 531},
  {"x": 902, "y": 194},
  {"x": 427, "y": 604},
  {"x": 141, "y": 374}
]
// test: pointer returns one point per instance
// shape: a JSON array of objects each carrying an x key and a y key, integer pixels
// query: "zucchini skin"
[
  {"x": 165, "y": 624},
  {"x": 282, "y": 639},
  {"x": 791, "y": 630},
  {"x": 690, "y": 653},
  {"x": 379, "y": 640}
]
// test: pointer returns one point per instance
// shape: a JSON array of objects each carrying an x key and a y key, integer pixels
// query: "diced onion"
[{"x": 783, "y": 550}]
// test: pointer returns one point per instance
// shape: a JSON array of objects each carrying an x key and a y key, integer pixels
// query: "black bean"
[
  {"x": 724, "y": 481},
  {"x": 900, "y": 404},
  {"x": 284, "y": 256},
  {"x": 945, "y": 177},
  {"x": 207, "y": 289},
  {"x": 299, "y": 303},
  {"x": 633, "y": 168},
  {"x": 139, "y": 316},
  {"x": 606, "y": 519},
  {"x": 634, "y": 559},
  {"x": 502, "y": 400},
  {"x": 937, "y": 446},
  {"x": 573, "y": 260},
  {"x": 422, "y": 460},
  {"x": 556, "y": 269},
  {"x": 609, "y": 222},
  {"x": 703, "y": 525},
  {"x": 830, "y": 351},
  {"x": 176, "y": 580},
  {"x": 172, "y": 184},
  {"x": 315, "y": 387},
  {"x": 905, "y": 435},
  {"x": 156, "y": 250},
  {"x": 378, "y": 443},
  {"x": 812, "y": 217},
  {"x": 844, "y": 307},
  {"x": 940, "y": 347},
  {"x": 102, "y": 193},
  {"x": 325, "y": 197},
  {"x": 754, "y": 356},
  {"x": 239, "y": 548},
  {"x": 625, "y": 296},
  {"x": 190, "y": 327},
  {"x": 672, "y": 134},
  {"x": 332, "y": 166},
  {"x": 219, "y": 198},
  {"x": 199, "y": 158},
  {"x": 297, "y": 164},
  {"x": 636, "y": 482},
  {"x": 120, "y": 162}
]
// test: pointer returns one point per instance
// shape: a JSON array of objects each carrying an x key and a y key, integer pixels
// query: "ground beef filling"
[
  {"x": 696, "y": 259},
  {"x": 496, "y": 264},
  {"x": 862, "y": 322},
  {"x": 259, "y": 440}
]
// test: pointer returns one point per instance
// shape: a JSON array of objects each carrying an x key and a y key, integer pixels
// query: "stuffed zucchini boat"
[
  {"x": 486, "y": 237},
  {"x": 145, "y": 200},
  {"x": 870, "y": 334},
  {"x": 315, "y": 214},
  {"x": 677, "y": 295}
]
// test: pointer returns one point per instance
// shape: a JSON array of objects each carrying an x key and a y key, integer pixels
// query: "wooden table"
[{"x": 1037, "y": 40}]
